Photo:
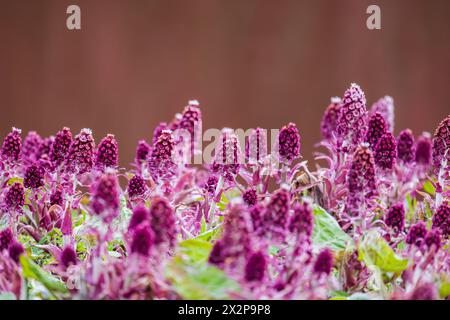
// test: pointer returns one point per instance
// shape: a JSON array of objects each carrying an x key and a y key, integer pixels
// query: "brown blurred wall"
[{"x": 249, "y": 63}]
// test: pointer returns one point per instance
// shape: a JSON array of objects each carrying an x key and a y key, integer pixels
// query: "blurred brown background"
[{"x": 249, "y": 63}]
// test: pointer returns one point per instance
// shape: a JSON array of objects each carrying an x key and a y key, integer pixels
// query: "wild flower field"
[{"x": 370, "y": 219}]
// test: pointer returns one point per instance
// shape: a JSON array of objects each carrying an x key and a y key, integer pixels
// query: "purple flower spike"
[
  {"x": 433, "y": 239},
  {"x": 57, "y": 197},
  {"x": 81, "y": 153},
  {"x": 34, "y": 177},
  {"x": 289, "y": 143},
  {"x": 12, "y": 146},
  {"x": 142, "y": 151},
  {"x": 376, "y": 129},
  {"x": 302, "y": 220},
  {"x": 68, "y": 257},
  {"x": 385, "y": 106},
  {"x": 6, "y": 237},
  {"x": 395, "y": 218},
  {"x": 250, "y": 197},
  {"x": 416, "y": 234},
  {"x": 330, "y": 119},
  {"x": 60, "y": 147},
  {"x": 161, "y": 162},
  {"x": 158, "y": 130},
  {"x": 142, "y": 241},
  {"x": 441, "y": 143},
  {"x": 210, "y": 185},
  {"x": 441, "y": 219},
  {"x": 191, "y": 120},
  {"x": 277, "y": 211},
  {"x": 31, "y": 148},
  {"x": 386, "y": 152},
  {"x": 15, "y": 197},
  {"x": 136, "y": 187},
  {"x": 105, "y": 197},
  {"x": 255, "y": 268},
  {"x": 256, "y": 146},
  {"x": 217, "y": 256},
  {"x": 423, "y": 150},
  {"x": 406, "y": 148},
  {"x": 228, "y": 155},
  {"x": 163, "y": 222},
  {"x": 361, "y": 177},
  {"x": 107, "y": 152},
  {"x": 324, "y": 262},
  {"x": 15, "y": 250},
  {"x": 140, "y": 215},
  {"x": 352, "y": 123}
]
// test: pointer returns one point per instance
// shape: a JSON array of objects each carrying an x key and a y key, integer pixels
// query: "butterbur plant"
[{"x": 369, "y": 219}]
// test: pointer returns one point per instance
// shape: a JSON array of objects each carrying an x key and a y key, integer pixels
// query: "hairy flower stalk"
[
  {"x": 15, "y": 197},
  {"x": 161, "y": 161},
  {"x": 191, "y": 121},
  {"x": 352, "y": 123},
  {"x": 289, "y": 143},
  {"x": 12, "y": 146},
  {"x": 330, "y": 119},
  {"x": 276, "y": 214},
  {"x": 136, "y": 187},
  {"x": 395, "y": 217},
  {"x": 385, "y": 107},
  {"x": 157, "y": 132},
  {"x": 143, "y": 151},
  {"x": 441, "y": 156},
  {"x": 105, "y": 197},
  {"x": 302, "y": 221},
  {"x": 441, "y": 219},
  {"x": 81, "y": 153},
  {"x": 423, "y": 151},
  {"x": 256, "y": 146},
  {"x": 34, "y": 177},
  {"x": 163, "y": 223},
  {"x": 107, "y": 153},
  {"x": 416, "y": 234},
  {"x": 31, "y": 148}
]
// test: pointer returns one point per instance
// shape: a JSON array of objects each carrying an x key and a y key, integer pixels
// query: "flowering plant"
[{"x": 371, "y": 221}]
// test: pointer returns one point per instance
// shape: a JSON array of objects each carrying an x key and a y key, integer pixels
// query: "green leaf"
[
  {"x": 193, "y": 278},
  {"x": 7, "y": 296},
  {"x": 32, "y": 271},
  {"x": 429, "y": 188},
  {"x": 375, "y": 251},
  {"x": 211, "y": 234},
  {"x": 444, "y": 290},
  {"x": 328, "y": 233}
]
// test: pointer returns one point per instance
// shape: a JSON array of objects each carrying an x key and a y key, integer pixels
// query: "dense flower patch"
[{"x": 369, "y": 220}]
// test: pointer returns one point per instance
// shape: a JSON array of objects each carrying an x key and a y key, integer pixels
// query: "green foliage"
[
  {"x": 193, "y": 278},
  {"x": 375, "y": 251},
  {"x": 328, "y": 233},
  {"x": 32, "y": 271}
]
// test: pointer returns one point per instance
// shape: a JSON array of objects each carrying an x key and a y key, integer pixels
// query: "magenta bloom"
[
  {"x": 385, "y": 106},
  {"x": 140, "y": 215},
  {"x": 277, "y": 211},
  {"x": 158, "y": 130},
  {"x": 302, "y": 220},
  {"x": 416, "y": 234},
  {"x": 210, "y": 185},
  {"x": 395, "y": 217},
  {"x": 68, "y": 257},
  {"x": 136, "y": 187},
  {"x": 6, "y": 238},
  {"x": 256, "y": 146},
  {"x": 161, "y": 162},
  {"x": 406, "y": 148},
  {"x": 352, "y": 123},
  {"x": 255, "y": 268},
  {"x": 227, "y": 156},
  {"x": 441, "y": 143},
  {"x": 142, "y": 241},
  {"x": 15, "y": 250},
  {"x": 60, "y": 147},
  {"x": 142, "y": 151},
  {"x": 217, "y": 255},
  {"x": 441, "y": 219},
  {"x": 107, "y": 152},
  {"x": 423, "y": 150},
  {"x": 191, "y": 120},
  {"x": 31, "y": 148},
  {"x": 250, "y": 197},
  {"x": 324, "y": 262},
  {"x": 330, "y": 119},
  {"x": 385, "y": 152},
  {"x": 12, "y": 146},
  {"x": 57, "y": 197},
  {"x": 15, "y": 197},
  {"x": 34, "y": 177},
  {"x": 433, "y": 239},
  {"x": 163, "y": 222},
  {"x": 376, "y": 129},
  {"x": 289, "y": 142},
  {"x": 81, "y": 153},
  {"x": 361, "y": 177},
  {"x": 105, "y": 197}
]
